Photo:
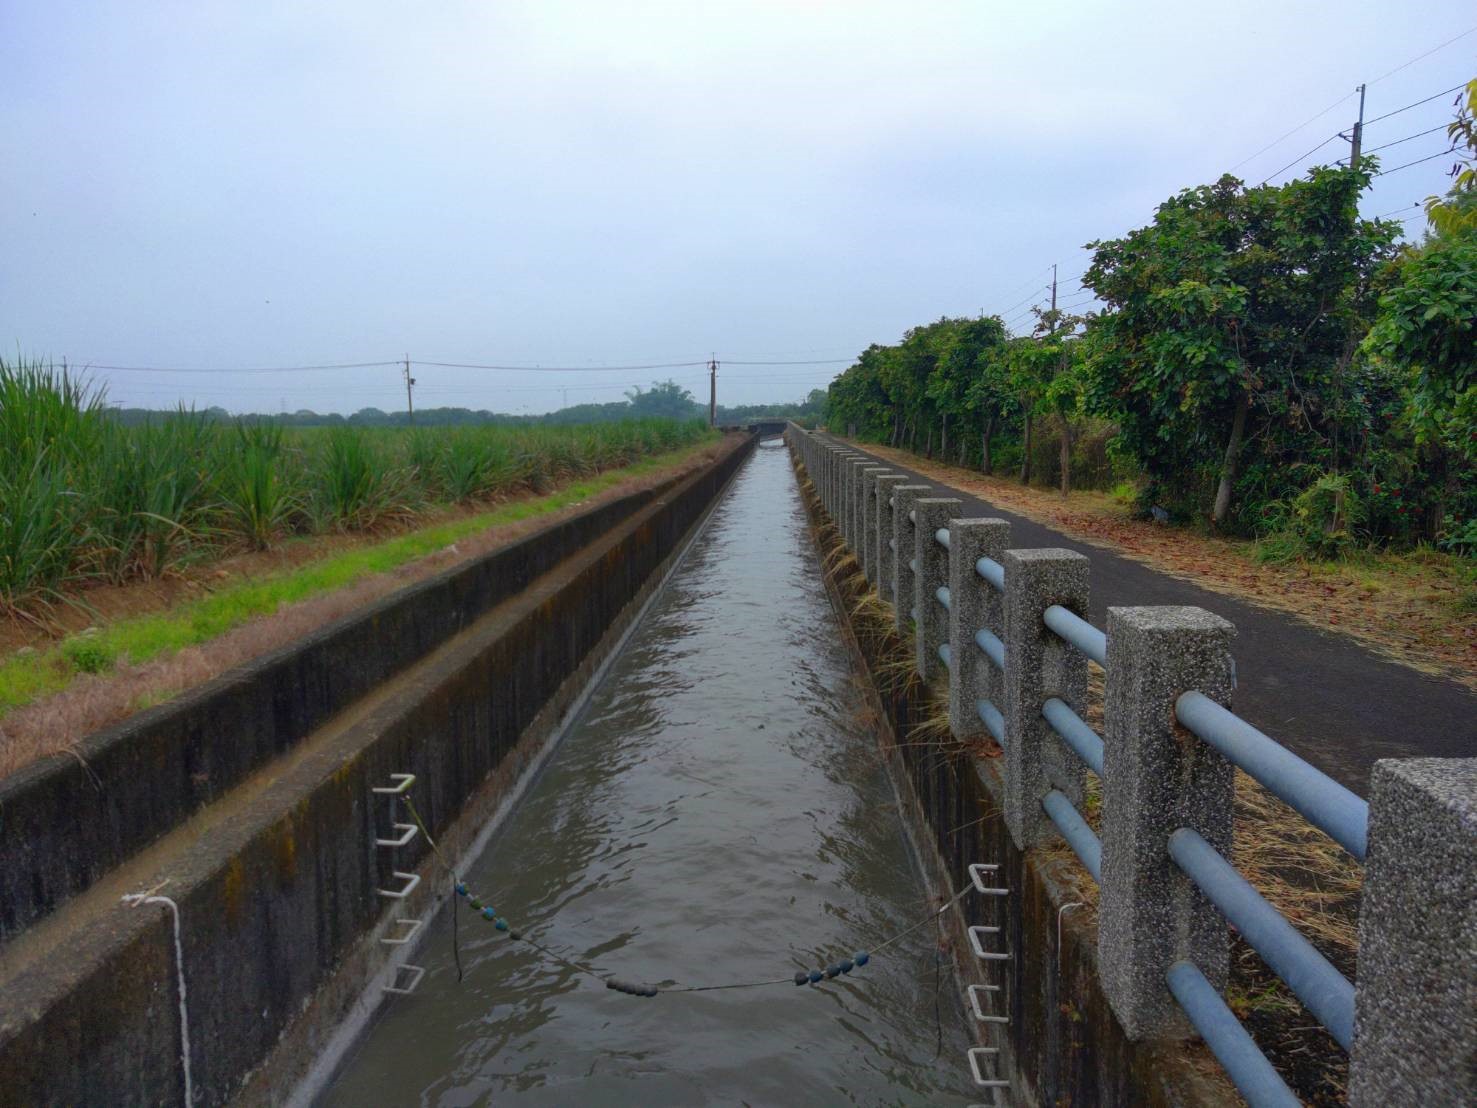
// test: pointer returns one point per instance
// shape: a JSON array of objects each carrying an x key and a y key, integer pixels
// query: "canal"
[{"x": 718, "y": 813}]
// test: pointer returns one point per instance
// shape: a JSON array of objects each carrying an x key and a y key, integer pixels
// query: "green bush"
[{"x": 1322, "y": 521}]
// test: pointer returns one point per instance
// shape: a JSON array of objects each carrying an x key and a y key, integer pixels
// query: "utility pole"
[
  {"x": 409, "y": 384},
  {"x": 1357, "y": 139},
  {"x": 1053, "y": 288},
  {"x": 712, "y": 392}
]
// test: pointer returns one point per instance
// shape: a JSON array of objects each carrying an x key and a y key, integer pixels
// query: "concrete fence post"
[
  {"x": 932, "y": 558},
  {"x": 1415, "y": 1001},
  {"x": 1157, "y": 778},
  {"x": 867, "y": 550},
  {"x": 1039, "y": 665},
  {"x": 903, "y": 498},
  {"x": 886, "y": 485},
  {"x": 852, "y": 494},
  {"x": 858, "y": 485},
  {"x": 833, "y": 481},
  {"x": 973, "y": 605}
]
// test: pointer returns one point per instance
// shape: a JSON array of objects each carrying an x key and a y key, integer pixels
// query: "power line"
[
  {"x": 1417, "y": 104},
  {"x": 812, "y": 361},
  {"x": 562, "y": 369},
  {"x": 1418, "y": 161},
  {"x": 1289, "y": 134},
  {"x": 252, "y": 369},
  {"x": 1427, "y": 54},
  {"x": 1407, "y": 138},
  {"x": 1300, "y": 158}
]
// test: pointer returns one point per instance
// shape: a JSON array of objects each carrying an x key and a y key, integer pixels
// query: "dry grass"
[{"x": 56, "y": 724}]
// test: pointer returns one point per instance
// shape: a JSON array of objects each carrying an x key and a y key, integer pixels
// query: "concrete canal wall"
[{"x": 249, "y": 803}]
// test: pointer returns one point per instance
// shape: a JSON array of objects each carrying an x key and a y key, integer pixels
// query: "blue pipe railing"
[
  {"x": 992, "y": 571},
  {"x": 942, "y": 593},
  {"x": 992, "y": 719},
  {"x": 1326, "y": 992},
  {"x": 1078, "y": 632},
  {"x": 1242, "y": 1059},
  {"x": 941, "y": 536},
  {"x": 1323, "y": 802},
  {"x": 1081, "y": 838},
  {"x": 994, "y": 649},
  {"x": 1075, "y": 732}
]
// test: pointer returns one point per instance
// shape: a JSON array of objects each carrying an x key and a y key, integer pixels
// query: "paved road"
[{"x": 1333, "y": 701}]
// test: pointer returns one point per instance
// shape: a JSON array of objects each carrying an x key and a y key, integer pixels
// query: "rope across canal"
[{"x": 485, "y": 911}]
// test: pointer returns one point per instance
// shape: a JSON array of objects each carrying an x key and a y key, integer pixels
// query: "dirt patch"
[
  {"x": 56, "y": 723},
  {"x": 1414, "y": 608}
]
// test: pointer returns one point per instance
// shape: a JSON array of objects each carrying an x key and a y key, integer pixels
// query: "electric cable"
[
  {"x": 1419, "y": 57},
  {"x": 1417, "y": 104},
  {"x": 1418, "y": 161},
  {"x": 1300, "y": 158}
]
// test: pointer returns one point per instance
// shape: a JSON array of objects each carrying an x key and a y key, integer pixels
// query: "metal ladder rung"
[
  {"x": 977, "y": 874},
  {"x": 414, "y": 925},
  {"x": 975, "y": 1054},
  {"x": 974, "y": 1002},
  {"x": 407, "y": 831},
  {"x": 416, "y": 973},
  {"x": 979, "y": 950},
  {"x": 412, "y": 880},
  {"x": 404, "y": 781}
]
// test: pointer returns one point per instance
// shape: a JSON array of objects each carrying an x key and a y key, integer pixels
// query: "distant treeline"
[{"x": 664, "y": 400}]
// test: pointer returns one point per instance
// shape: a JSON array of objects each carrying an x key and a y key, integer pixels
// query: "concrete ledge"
[
  {"x": 276, "y": 883},
  {"x": 65, "y": 822}
]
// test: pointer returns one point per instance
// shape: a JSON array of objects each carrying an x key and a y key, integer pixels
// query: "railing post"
[
  {"x": 932, "y": 631},
  {"x": 833, "y": 483},
  {"x": 973, "y": 605},
  {"x": 852, "y": 470},
  {"x": 1415, "y": 1001},
  {"x": 1157, "y": 778},
  {"x": 1039, "y": 665},
  {"x": 867, "y": 549},
  {"x": 886, "y": 485},
  {"x": 858, "y": 483},
  {"x": 903, "y": 498}
]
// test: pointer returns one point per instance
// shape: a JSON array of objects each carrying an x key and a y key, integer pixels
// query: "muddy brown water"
[{"x": 718, "y": 813}]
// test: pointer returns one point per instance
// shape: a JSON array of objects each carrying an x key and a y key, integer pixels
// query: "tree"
[
  {"x": 1459, "y": 207},
  {"x": 1233, "y": 318},
  {"x": 1428, "y": 323},
  {"x": 664, "y": 398}
]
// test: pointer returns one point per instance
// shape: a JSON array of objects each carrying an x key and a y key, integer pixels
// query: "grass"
[
  {"x": 29, "y": 675},
  {"x": 88, "y": 500}
]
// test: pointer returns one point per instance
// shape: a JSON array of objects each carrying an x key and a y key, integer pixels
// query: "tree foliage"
[{"x": 1232, "y": 322}]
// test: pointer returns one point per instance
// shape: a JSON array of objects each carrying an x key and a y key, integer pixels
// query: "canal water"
[{"x": 718, "y": 813}]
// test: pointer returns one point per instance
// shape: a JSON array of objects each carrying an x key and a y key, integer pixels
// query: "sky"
[{"x": 261, "y": 186}]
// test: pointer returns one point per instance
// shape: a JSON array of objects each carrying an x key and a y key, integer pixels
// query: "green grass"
[{"x": 29, "y": 675}]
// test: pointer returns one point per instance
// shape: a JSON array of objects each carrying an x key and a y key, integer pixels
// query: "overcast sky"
[{"x": 218, "y": 186}]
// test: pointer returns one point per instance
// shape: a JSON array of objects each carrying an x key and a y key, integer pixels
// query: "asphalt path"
[{"x": 1325, "y": 696}]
